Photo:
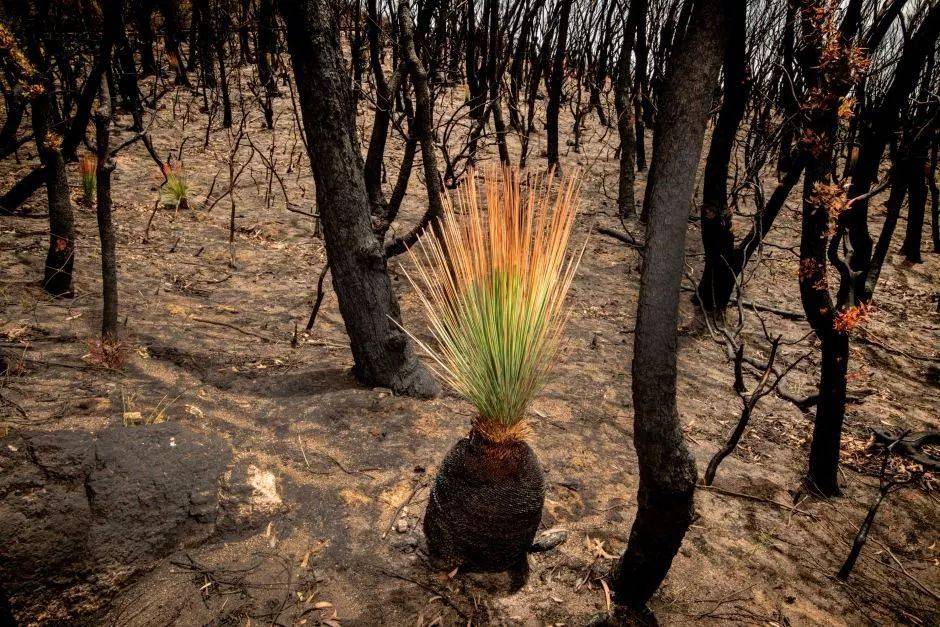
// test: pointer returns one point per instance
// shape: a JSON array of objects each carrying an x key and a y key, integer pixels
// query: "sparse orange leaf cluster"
[
  {"x": 850, "y": 317},
  {"x": 831, "y": 198}
]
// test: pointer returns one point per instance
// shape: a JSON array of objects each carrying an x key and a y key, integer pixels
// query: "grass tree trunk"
[
  {"x": 667, "y": 469},
  {"x": 383, "y": 356}
]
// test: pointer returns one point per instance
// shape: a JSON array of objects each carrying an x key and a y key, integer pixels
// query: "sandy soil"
[{"x": 210, "y": 344}]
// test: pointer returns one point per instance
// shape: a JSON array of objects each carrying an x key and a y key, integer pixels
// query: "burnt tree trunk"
[
  {"x": 934, "y": 194},
  {"x": 626, "y": 126},
  {"x": 381, "y": 350},
  {"x": 641, "y": 108},
  {"x": 667, "y": 469},
  {"x": 718, "y": 276},
  {"x": 916, "y": 202},
  {"x": 556, "y": 83},
  {"x": 265, "y": 56},
  {"x": 143, "y": 17},
  {"x": 789, "y": 105},
  {"x": 830, "y": 413},
  {"x": 424, "y": 116},
  {"x": 384, "y": 101},
  {"x": 172, "y": 17},
  {"x": 57, "y": 277},
  {"x": 105, "y": 166}
]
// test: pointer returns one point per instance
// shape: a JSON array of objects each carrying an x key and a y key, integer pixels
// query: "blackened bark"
[
  {"x": 494, "y": 69},
  {"x": 143, "y": 15},
  {"x": 556, "y": 82},
  {"x": 934, "y": 194},
  {"x": 642, "y": 112},
  {"x": 823, "y": 473},
  {"x": 667, "y": 469},
  {"x": 717, "y": 217},
  {"x": 244, "y": 32},
  {"x": 381, "y": 350},
  {"x": 105, "y": 166},
  {"x": 878, "y": 126},
  {"x": 14, "y": 113},
  {"x": 57, "y": 277},
  {"x": 626, "y": 127},
  {"x": 916, "y": 204},
  {"x": 424, "y": 115},
  {"x": 817, "y": 148},
  {"x": 266, "y": 55},
  {"x": 172, "y": 17},
  {"x": 789, "y": 105},
  {"x": 223, "y": 83},
  {"x": 384, "y": 99},
  {"x": 893, "y": 211},
  {"x": 126, "y": 69}
]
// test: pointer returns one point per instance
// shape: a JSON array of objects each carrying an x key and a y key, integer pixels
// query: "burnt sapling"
[{"x": 493, "y": 281}]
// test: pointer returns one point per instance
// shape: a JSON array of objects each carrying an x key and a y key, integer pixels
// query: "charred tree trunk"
[
  {"x": 244, "y": 33},
  {"x": 823, "y": 471},
  {"x": 916, "y": 203},
  {"x": 381, "y": 350},
  {"x": 105, "y": 166},
  {"x": 667, "y": 469},
  {"x": 14, "y": 113},
  {"x": 384, "y": 100},
  {"x": 824, "y": 95},
  {"x": 143, "y": 16},
  {"x": 424, "y": 116},
  {"x": 642, "y": 111},
  {"x": 556, "y": 83},
  {"x": 265, "y": 56},
  {"x": 223, "y": 82},
  {"x": 789, "y": 105},
  {"x": 57, "y": 279},
  {"x": 934, "y": 194},
  {"x": 718, "y": 276},
  {"x": 127, "y": 78},
  {"x": 172, "y": 17},
  {"x": 626, "y": 127}
]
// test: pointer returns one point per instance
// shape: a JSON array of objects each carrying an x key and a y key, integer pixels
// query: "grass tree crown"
[{"x": 493, "y": 281}]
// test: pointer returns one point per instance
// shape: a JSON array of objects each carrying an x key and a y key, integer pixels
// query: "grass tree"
[{"x": 493, "y": 282}]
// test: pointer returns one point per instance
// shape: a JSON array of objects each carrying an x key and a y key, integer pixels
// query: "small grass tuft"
[
  {"x": 88, "y": 165},
  {"x": 134, "y": 416},
  {"x": 174, "y": 191}
]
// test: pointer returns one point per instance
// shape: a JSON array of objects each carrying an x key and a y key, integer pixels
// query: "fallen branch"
[
  {"x": 623, "y": 237},
  {"x": 758, "y": 499},
  {"x": 235, "y": 328}
]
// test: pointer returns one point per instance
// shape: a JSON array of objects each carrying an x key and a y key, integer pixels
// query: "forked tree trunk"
[
  {"x": 381, "y": 350},
  {"x": 667, "y": 469},
  {"x": 717, "y": 216}
]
